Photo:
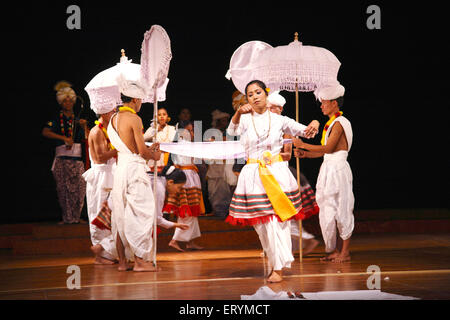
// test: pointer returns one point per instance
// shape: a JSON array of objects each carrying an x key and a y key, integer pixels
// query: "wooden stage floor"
[{"x": 415, "y": 265}]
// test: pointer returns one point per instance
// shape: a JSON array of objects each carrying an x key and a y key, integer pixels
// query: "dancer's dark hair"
[
  {"x": 260, "y": 84},
  {"x": 177, "y": 175}
]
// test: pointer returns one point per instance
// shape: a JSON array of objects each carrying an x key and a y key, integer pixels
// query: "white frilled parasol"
[
  {"x": 243, "y": 63},
  {"x": 155, "y": 62},
  {"x": 103, "y": 89},
  {"x": 293, "y": 67},
  {"x": 296, "y": 67}
]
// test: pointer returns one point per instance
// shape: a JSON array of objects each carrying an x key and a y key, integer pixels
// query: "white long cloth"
[
  {"x": 275, "y": 239},
  {"x": 208, "y": 150},
  {"x": 132, "y": 195},
  {"x": 99, "y": 182},
  {"x": 266, "y": 293},
  {"x": 270, "y": 127},
  {"x": 334, "y": 194}
]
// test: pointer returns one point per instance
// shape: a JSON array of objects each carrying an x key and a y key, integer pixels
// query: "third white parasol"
[{"x": 104, "y": 91}]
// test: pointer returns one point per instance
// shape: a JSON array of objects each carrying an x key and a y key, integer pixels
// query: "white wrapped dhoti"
[
  {"x": 133, "y": 202},
  {"x": 334, "y": 196},
  {"x": 275, "y": 239},
  {"x": 134, "y": 208},
  {"x": 99, "y": 182}
]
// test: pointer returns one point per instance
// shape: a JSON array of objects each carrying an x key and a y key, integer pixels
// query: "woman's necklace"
[
  {"x": 70, "y": 122},
  {"x": 268, "y": 131}
]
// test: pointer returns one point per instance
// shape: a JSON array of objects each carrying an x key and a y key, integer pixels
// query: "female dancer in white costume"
[{"x": 267, "y": 194}]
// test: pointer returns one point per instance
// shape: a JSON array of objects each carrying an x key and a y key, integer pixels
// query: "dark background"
[{"x": 394, "y": 78}]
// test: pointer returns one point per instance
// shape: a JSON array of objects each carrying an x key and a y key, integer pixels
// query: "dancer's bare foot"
[
  {"x": 174, "y": 244},
  {"x": 97, "y": 250},
  {"x": 275, "y": 277},
  {"x": 330, "y": 257},
  {"x": 310, "y": 245},
  {"x": 101, "y": 260},
  {"x": 143, "y": 266},
  {"x": 193, "y": 246},
  {"x": 343, "y": 257},
  {"x": 124, "y": 266}
]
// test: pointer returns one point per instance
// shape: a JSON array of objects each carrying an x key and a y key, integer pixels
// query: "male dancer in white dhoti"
[
  {"x": 133, "y": 202},
  {"x": 334, "y": 194},
  {"x": 267, "y": 194},
  {"x": 99, "y": 180}
]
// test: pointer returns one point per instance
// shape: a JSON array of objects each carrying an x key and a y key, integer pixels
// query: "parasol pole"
[
  {"x": 155, "y": 175},
  {"x": 297, "y": 160}
]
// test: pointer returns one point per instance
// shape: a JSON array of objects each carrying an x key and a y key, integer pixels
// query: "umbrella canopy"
[
  {"x": 103, "y": 90},
  {"x": 243, "y": 63},
  {"x": 291, "y": 67},
  {"x": 307, "y": 67},
  {"x": 155, "y": 57}
]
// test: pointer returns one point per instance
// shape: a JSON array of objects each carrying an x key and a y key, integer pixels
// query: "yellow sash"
[{"x": 281, "y": 204}]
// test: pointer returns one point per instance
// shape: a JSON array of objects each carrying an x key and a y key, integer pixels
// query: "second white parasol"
[{"x": 155, "y": 62}]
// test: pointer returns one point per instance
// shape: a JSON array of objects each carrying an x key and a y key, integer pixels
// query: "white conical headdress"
[
  {"x": 329, "y": 92},
  {"x": 131, "y": 88}
]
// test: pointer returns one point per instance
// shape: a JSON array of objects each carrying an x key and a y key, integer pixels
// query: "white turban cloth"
[
  {"x": 64, "y": 93},
  {"x": 329, "y": 92},
  {"x": 131, "y": 88},
  {"x": 102, "y": 109},
  {"x": 216, "y": 115},
  {"x": 276, "y": 99}
]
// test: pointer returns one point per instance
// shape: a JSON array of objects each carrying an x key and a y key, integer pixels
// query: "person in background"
[
  {"x": 166, "y": 133},
  {"x": 69, "y": 134},
  {"x": 219, "y": 175},
  {"x": 183, "y": 116}
]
